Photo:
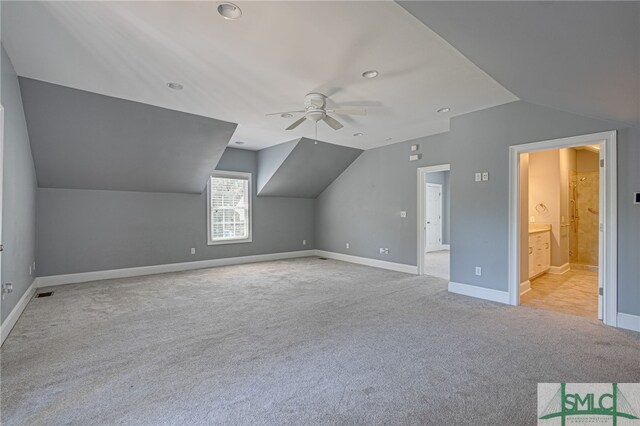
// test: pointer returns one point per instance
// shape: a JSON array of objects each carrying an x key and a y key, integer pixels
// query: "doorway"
[
  {"x": 558, "y": 210},
  {"x": 433, "y": 221},
  {"x": 560, "y": 194}
]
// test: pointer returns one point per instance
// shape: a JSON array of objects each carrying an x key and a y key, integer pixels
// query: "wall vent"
[{"x": 45, "y": 294}]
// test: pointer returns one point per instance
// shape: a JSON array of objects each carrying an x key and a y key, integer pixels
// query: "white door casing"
[{"x": 607, "y": 268}]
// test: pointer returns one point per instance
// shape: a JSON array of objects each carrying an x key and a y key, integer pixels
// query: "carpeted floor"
[{"x": 301, "y": 341}]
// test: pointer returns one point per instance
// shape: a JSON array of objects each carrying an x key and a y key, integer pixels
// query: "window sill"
[{"x": 222, "y": 242}]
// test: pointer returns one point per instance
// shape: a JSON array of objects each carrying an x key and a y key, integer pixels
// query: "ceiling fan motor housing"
[{"x": 314, "y": 101}]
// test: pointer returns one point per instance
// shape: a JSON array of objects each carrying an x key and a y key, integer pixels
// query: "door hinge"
[
  {"x": 601, "y": 291},
  {"x": 601, "y": 163}
]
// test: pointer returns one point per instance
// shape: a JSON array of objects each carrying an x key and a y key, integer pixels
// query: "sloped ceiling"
[
  {"x": 264, "y": 62},
  {"x": 581, "y": 57},
  {"x": 83, "y": 140},
  {"x": 306, "y": 170}
]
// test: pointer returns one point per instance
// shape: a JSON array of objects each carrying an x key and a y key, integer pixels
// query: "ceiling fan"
[{"x": 315, "y": 105}]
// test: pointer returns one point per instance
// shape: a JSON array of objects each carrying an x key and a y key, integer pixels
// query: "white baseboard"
[
  {"x": 383, "y": 264},
  {"x": 559, "y": 270},
  {"x": 479, "y": 292},
  {"x": 582, "y": 267},
  {"x": 170, "y": 267},
  {"x": 12, "y": 318},
  {"x": 628, "y": 321},
  {"x": 525, "y": 287}
]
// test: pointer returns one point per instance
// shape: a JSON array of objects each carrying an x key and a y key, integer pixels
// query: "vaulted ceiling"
[
  {"x": 264, "y": 62},
  {"x": 581, "y": 57},
  {"x": 83, "y": 140},
  {"x": 100, "y": 114}
]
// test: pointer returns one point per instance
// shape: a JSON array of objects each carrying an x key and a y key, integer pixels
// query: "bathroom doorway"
[
  {"x": 562, "y": 226},
  {"x": 433, "y": 221},
  {"x": 562, "y": 210}
]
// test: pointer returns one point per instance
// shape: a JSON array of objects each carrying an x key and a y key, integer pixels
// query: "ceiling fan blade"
[
  {"x": 345, "y": 111},
  {"x": 332, "y": 122},
  {"x": 296, "y": 123},
  {"x": 284, "y": 112}
]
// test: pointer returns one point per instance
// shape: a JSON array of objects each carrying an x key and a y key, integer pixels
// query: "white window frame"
[{"x": 237, "y": 175}]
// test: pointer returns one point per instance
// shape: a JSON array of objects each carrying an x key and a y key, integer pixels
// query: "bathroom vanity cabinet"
[{"x": 539, "y": 249}]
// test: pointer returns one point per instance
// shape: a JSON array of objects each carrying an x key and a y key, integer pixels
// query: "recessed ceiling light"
[
  {"x": 286, "y": 115},
  {"x": 445, "y": 109},
  {"x": 229, "y": 11},
  {"x": 388, "y": 139},
  {"x": 239, "y": 143},
  {"x": 358, "y": 134},
  {"x": 370, "y": 74},
  {"x": 175, "y": 86}
]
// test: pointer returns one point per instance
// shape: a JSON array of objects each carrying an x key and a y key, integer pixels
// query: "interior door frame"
[
  {"x": 421, "y": 195},
  {"x": 440, "y": 233},
  {"x": 1, "y": 181},
  {"x": 607, "y": 241}
]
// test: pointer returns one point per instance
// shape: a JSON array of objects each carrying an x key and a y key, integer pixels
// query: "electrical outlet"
[
  {"x": 478, "y": 177},
  {"x": 347, "y": 245},
  {"x": 478, "y": 271},
  {"x": 414, "y": 148},
  {"x": 485, "y": 176},
  {"x": 193, "y": 250},
  {"x": 403, "y": 213},
  {"x": 304, "y": 242},
  {"x": 384, "y": 250}
]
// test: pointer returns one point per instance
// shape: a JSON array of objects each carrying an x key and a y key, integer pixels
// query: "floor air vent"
[
  {"x": 45, "y": 294},
  {"x": 323, "y": 258}
]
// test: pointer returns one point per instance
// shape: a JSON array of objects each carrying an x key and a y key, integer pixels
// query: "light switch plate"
[
  {"x": 193, "y": 250},
  {"x": 414, "y": 157},
  {"x": 485, "y": 176},
  {"x": 478, "y": 177},
  {"x": 414, "y": 148}
]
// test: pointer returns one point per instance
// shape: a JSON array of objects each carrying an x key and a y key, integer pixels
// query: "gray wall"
[
  {"x": 92, "y": 230},
  {"x": 19, "y": 191},
  {"x": 362, "y": 206},
  {"x": 442, "y": 178}
]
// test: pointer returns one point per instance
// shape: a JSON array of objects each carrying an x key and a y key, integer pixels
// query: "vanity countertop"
[{"x": 539, "y": 227}]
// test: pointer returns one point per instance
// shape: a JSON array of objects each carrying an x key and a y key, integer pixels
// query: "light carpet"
[{"x": 303, "y": 341}]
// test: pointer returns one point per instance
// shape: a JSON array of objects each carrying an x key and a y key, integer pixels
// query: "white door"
[{"x": 433, "y": 227}]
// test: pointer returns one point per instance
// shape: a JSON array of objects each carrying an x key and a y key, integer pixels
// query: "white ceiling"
[{"x": 265, "y": 62}]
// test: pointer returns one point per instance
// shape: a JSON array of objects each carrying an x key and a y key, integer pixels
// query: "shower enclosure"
[{"x": 584, "y": 218}]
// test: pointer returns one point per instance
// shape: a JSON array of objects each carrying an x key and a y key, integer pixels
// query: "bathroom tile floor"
[{"x": 574, "y": 292}]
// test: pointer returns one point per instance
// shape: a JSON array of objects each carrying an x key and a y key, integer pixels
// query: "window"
[{"x": 229, "y": 208}]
